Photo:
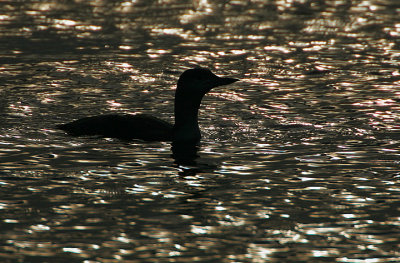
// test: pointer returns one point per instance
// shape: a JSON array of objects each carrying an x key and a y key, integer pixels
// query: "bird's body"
[
  {"x": 121, "y": 126},
  {"x": 193, "y": 84}
]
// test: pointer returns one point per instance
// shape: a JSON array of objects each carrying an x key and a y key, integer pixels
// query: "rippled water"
[{"x": 299, "y": 160}]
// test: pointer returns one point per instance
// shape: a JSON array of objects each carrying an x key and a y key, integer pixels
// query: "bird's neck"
[{"x": 186, "y": 127}]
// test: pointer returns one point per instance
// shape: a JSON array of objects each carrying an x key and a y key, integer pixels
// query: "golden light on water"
[{"x": 298, "y": 161}]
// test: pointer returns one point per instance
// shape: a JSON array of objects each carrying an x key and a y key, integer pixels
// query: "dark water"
[{"x": 299, "y": 162}]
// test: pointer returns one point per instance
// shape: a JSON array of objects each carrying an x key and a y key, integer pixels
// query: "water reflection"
[
  {"x": 299, "y": 162},
  {"x": 185, "y": 154}
]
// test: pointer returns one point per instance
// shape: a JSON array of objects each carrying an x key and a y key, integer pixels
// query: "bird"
[{"x": 192, "y": 85}]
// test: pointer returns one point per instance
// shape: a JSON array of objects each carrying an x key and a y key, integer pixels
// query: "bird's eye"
[{"x": 199, "y": 77}]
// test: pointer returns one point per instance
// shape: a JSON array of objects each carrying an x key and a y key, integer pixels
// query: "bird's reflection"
[
  {"x": 187, "y": 158},
  {"x": 185, "y": 154}
]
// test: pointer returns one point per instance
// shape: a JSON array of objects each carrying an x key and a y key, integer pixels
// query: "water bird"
[{"x": 192, "y": 85}]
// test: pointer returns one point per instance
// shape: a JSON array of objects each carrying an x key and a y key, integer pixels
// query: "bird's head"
[{"x": 195, "y": 83}]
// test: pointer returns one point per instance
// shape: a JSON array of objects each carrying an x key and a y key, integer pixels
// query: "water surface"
[{"x": 299, "y": 161}]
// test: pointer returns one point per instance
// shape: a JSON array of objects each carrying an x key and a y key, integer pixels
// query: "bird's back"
[{"x": 124, "y": 126}]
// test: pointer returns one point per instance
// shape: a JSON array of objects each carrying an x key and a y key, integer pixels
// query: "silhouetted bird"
[{"x": 193, "y": 84}]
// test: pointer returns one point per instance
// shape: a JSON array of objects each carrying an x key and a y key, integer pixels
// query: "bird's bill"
[{"x": 224, "y": 81}]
